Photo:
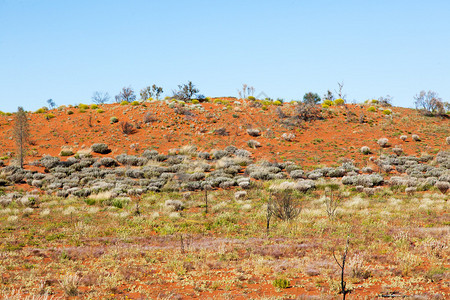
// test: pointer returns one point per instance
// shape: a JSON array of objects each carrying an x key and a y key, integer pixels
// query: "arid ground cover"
[{"x": 228, "y": 199}]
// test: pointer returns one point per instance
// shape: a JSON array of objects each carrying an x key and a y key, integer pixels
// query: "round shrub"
[
  {"x": 124, "y": 103},
  {"x": 113, "y": 120},
  {"x": 339, "y": 102},
  {"x": 195, "y": 101},
  {"x": 253, "y": 132},
  {"x": 251, "y": 98},
  {"x": 372, "y": 108},
  {"x": 387, "y": 112},
  {"x": 327, "y": 103},
  {"x": 94, "y": 106},
  {"x": 403, "y": 137},
  {"x": 41, "y": 110},
  {"x": 66, "y": 152},
  {"x": 49, "y": 116},
  {"x": 134, "y": 103},
  {"x": 383, "y": 142},
  {"x": 100, "y": 148},
  {"x": 69, "y": 112},
  {"x": 100, "y": 111},
  {"x": 83, "y": 106},
  {"x": 277, "y": 102},
  {"x": 365, "y": 150}
]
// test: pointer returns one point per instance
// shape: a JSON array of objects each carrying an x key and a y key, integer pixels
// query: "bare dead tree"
[
  {"x": 340, "y": 91},
  {"x": 21, "y": 134},
  {"x": 243, "y": 93},
  {"x": 100, "y": 97},
  {"x": 126, "y": 94},
  {"x": 344, "y": 291},
  {"x": 269, "y": 214},
  {"x": 429, "y": 103}
]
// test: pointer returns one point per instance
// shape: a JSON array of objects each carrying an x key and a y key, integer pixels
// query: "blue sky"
[{"x": 66, "y": 50}]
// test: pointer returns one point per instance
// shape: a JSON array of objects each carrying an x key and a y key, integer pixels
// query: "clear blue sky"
[{"x": 66, "y": 50}]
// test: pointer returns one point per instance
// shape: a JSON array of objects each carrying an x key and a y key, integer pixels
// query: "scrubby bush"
[
  {"x": 288, "y": 137},
  {"x": 49, "y": 116},
  {"x": 94, "y": 106},
  {"x": 403, "y": 137},
  {"x": 447, "y": 140},
  {"x": 387, "y": 112},
  {"x": 339, "y": 102},
  {"x": 100, "y": 111},
  {"x": 327, "y": 103},
  {"x": 135, "y": 103},
  {"x": 383, "y": 142},
  {"x": 108, "y": 162},
  {"x": 253, "y": 144},
  {"x": 364, "y": 180},
  {"x": 397, "y": 150},
  {"x": 83, "y": 106},
  {"x": 100, "y": 148},
  {"x": 442, "y": 186},
  {"x": 69, "y": 112},
  {"x": 372, "y": 108},
  {"x": 113, "y": 120},
  {"x": 41, "y": 110},
  {"x": 365, "y": 150},
  {"x": 253, "y": 132},
  {"x": 415, "y": 137},
  {"x": 284, "y": 205}
]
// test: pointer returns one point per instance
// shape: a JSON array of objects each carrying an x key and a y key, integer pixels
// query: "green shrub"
[
  {"x": 374, "y": 101},
  {"x": 277, "y": 102},
  {"x": 49, "y": 116},
  {"x": 66, "y": 152},
  {"x": 264, "y": 108},
  {"x": 100, "y": 111},
  {"x": 41, "y": 110},
  {"x": 119, "y": 203},
  {"x": 134, "y": 103},
  {"x": 83, "y": 106},
  {"x": 90, "y": 201},
  {"x": 195, "y": 101},
  {"x": 124, "y": 103},
  {"x": 339, "y": 102},
  {"x": 217, "y": 101},
  {"x": 327, "y": 103},
  {"x": 251, "y": 98},
  {"x": 387, "y": 112},
  {"x": 113, "y": 120},
  {"x": 372, "y": 108},
  {"x": 69, "y": 112},
  {"x": 94, "y": 106},
  {"x": 281, "y": 283},
  {"x": 82, "y": 110},
  {"x": 2, "y": 113}
]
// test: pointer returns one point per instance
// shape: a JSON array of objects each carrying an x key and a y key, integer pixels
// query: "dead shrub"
[{"x": 127, "y": 127}]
